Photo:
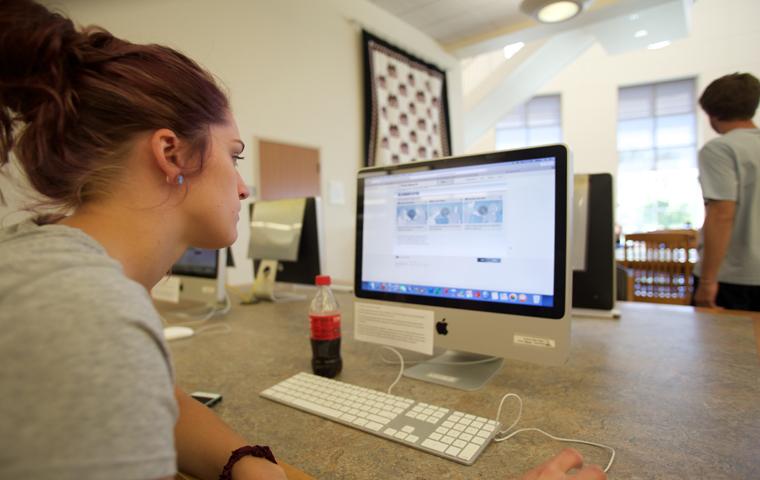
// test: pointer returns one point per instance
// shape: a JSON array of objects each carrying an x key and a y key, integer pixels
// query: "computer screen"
[
  {"x": 197, "y": 262},
  {"x": 480, "y": 241},
  {"x": 593, "y": 257},
  {"x": 286, "y": 244}
]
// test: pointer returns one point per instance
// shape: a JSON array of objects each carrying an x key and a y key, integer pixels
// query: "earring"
[{"x": 180, "y": 179}]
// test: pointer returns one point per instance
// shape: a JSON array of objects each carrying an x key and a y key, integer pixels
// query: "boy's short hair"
[{"x": 731, "y": 97}]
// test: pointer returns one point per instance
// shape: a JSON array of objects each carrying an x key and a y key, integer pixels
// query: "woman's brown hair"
[{"x": 71, "y": 100}]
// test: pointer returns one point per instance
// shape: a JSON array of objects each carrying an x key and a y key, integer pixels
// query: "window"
[
  {"x": 657, "y": 173},
  {"x": 536, "y": 122}
]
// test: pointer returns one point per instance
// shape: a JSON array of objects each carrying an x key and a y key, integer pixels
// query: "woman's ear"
[{"x": 166, "y": 149}]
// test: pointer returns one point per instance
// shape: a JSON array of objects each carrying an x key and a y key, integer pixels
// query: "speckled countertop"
[{"x": 677, "y": 393}]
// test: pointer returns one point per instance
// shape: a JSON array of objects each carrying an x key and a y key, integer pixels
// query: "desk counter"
[{"x": 676, "y": 392}]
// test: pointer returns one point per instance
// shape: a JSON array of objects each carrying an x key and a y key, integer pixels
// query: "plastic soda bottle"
[{"x": 324, "y": 318}]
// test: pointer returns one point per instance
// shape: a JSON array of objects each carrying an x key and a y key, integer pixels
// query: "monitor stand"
[
  {"x": 461, "y": 370},
  {"x": 264, "y": 283}
]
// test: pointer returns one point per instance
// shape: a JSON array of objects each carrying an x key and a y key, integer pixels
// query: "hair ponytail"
[{"x": 70, "y": 100}]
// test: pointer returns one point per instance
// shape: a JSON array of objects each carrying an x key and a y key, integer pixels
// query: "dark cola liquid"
[{"x": 325, "y": 360}]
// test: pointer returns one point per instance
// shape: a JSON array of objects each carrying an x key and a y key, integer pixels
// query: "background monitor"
[
  {"x": 476, "y": 243},
  {"x": 593, "y": 245},
  {"x": 286, "y": 245},
  {"x": 198, "y": 276}
]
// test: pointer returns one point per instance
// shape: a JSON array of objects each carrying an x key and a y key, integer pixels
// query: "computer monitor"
[
  {"x": 202, "y": 275},
  {"x": 199, "y": 276},
  {"x": 469, "y": 254},
  {"x": 594, "y": 286},
  {"x": 286, "y": 245}
]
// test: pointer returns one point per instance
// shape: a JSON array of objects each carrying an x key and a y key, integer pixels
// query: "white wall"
[
  {"x": 724, "y": 39},
  {"x": 294, "y": 73}
]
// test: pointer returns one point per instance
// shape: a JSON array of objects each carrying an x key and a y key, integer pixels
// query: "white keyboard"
[{"x": 449, "y": 434}]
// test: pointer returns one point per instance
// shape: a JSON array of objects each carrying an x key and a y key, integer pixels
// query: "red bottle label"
[{"x": 325, "y": 327}]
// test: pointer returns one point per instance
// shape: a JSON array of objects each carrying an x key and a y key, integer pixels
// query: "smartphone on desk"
[{"x": 207, "y": 398}]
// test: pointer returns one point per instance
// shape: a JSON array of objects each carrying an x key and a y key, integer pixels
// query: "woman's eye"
[{"x": 236, "y": 159}]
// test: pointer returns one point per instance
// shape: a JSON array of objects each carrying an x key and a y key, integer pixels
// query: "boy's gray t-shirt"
[
  {"x": 87, "y": 381},
  {"x": 729, "y": 169}
]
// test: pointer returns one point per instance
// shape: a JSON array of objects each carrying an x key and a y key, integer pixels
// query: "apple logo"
[{"x": 442, "y": 327}]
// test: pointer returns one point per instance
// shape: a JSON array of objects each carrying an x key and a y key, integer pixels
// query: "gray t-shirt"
[
  {"x": 729, "y": 169},
  {"x": 87, "y": 383}
]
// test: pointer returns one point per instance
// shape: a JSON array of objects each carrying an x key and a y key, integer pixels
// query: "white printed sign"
[{"x": 407, "y": 328}]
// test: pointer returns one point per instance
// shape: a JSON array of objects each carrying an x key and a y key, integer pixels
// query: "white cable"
[
  {"x": 506, "y": 432},
  {"x": 213, "y": 311},
  {"x": 222, "y": 327},
  {"x": 401, "y": 370},
  {"x": 509, "y": 435}
]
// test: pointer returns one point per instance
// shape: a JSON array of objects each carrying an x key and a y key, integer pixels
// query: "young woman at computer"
[{"x": 134, "y": 148}]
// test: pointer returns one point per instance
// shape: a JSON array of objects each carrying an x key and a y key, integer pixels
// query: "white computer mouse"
[{"x": 177, "y": 332}]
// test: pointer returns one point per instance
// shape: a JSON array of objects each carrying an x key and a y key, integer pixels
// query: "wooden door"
[{"x": 287, "y": 171}]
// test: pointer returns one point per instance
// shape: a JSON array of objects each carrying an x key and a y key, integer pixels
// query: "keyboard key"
[
  {"x": 447, "y": 440},
  {"x": 484, "y": 434},
  {"x": 377, "y": 418},
  {"x": 407, "y": 429},
  {"x": 459, "y": 443},
  {"x": 468, "y": 452},
  {"x": 437, "y": 446},
  {"x": 401, "y": 435},
  {"x": 435, "y": 436},
  {"x": 447, "y": 424},
  {"x": 466, "y": 437},
  {"x": 471, "y": 430},
  {"x": 412, "y": 439},
  {"x": 478, "y": 440},
  {"x": 390, "y": 431},
  {"x": 454, "y": 451},
  {"x": 374, "y": 426}
]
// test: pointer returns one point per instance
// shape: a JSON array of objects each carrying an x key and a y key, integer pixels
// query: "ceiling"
[
  {"x": 452, "y": 21},
  {"x": 471, "y": 27}
]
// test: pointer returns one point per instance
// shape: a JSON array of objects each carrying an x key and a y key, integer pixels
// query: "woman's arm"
[{"x": 204, "y": 444}]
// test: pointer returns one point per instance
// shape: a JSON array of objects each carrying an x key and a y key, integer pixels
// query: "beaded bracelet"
[{"x": 252, "y": 450}]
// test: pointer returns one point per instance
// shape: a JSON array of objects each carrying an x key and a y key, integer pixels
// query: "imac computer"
[
  {"x": 201, "y": 276},
  {"x": 286, "y": 245},
  {"x": 593, "y": 257},
  {"x": 468, "y": 254}
]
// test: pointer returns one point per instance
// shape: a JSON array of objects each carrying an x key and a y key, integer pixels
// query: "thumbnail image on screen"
[
  {"x": 444, "y": 213},
  {"x": 488, "y": 211},
  {"x": 411, "y": 214}
]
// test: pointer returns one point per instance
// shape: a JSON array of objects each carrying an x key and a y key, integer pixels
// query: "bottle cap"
[{"x": 323, "y": 280}]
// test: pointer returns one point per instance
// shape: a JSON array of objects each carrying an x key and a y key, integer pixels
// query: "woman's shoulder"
[{"x": 59, "y": 272}]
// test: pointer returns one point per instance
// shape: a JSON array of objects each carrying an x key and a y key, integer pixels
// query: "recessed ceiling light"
[
  {"x": 641, "y": 34},
  {"x": 658, "y": 45},
  {"x": 512, "y": 49},
  {"x": 552, "y": 11}
]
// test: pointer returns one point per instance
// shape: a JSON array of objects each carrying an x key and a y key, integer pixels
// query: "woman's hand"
[{"x": 557, "y": 468}]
